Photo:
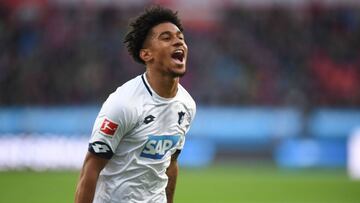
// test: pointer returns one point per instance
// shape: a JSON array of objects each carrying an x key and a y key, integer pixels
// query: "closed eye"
[
  {"x": 168, "y": 35},
  {"x": 166, "y": 38}
]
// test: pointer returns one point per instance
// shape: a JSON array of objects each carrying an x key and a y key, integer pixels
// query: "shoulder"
[
  {"x": 125, "y": 99},
  {"x": 128, "y": 90},
  {"x": 187, "y": 99}
]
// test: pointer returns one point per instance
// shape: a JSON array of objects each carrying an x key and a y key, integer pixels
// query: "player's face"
[{"x": 168, "y": 49}]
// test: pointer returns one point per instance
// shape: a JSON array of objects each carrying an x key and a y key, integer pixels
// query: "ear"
[{"x": 145, "y": 55}]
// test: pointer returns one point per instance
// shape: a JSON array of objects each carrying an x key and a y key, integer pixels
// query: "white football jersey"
[{"x": 138, "y": 131}]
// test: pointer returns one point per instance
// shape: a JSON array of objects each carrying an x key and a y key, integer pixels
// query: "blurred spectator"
[{"x": 68, "y": 54}]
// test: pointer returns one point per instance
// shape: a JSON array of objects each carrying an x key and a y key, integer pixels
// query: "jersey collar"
[
  {"x": 153, "y": 93},
  {"x": 146, "y": 84}
]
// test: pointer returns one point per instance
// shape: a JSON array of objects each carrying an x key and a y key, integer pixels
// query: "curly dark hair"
[{"x": 141, "y": 25}]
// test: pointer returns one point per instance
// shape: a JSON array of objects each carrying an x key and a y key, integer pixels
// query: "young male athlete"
[{"x": 141, "y": 127}]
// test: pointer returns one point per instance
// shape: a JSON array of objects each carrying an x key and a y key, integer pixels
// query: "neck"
[{"x": 163, "y": 84}]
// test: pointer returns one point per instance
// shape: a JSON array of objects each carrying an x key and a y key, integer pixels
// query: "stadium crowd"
[{"x": 66, "y": 55}]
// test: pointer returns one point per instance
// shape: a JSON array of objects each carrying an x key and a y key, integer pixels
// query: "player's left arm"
[{"x": 172, "y": 173}]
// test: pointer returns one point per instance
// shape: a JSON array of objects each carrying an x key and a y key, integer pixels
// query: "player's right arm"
[
  {"x": 89, "y": 174},
  {"x": 115, "y": 119}
]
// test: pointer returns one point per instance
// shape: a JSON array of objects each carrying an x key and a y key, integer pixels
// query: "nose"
[{"x": 178, "y": 42}]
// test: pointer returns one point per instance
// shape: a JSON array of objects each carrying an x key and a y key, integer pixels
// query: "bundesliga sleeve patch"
[{"x": 108, "y": 127}]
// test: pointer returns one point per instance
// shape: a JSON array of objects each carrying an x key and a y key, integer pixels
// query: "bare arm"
[
  {"x": 172, "y": 173},
  {"x": 88, "y": 177}
]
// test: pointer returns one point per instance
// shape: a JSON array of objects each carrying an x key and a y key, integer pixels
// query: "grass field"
[{"x": 217, "y": 184}]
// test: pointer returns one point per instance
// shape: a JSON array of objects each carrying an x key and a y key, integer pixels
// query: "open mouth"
[{"x": 178, "y": 55}]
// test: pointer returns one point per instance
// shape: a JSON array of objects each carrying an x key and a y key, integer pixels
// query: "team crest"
[{"x": 181, "y": 115}]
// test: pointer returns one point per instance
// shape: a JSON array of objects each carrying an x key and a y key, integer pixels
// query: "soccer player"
[{"x": 140, "y": 129}]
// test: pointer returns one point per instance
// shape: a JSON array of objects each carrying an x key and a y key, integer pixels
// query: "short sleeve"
[
  {"x": 192, "y": 113},
  {"x": 181, "y": 142},
  {"x": 115, "y": 119}
]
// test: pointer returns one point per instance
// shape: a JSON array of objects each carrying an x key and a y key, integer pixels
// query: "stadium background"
[{"x": 276, "y": 83}]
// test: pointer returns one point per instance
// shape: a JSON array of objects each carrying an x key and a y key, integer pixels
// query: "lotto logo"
[
  {"x": 157, "y": 145},
  {"x": 108, "y": 127},
  {"x": 101, "y": 149}
]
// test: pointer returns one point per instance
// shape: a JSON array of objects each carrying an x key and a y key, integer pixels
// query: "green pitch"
[{"x": 217, "y": 184}]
